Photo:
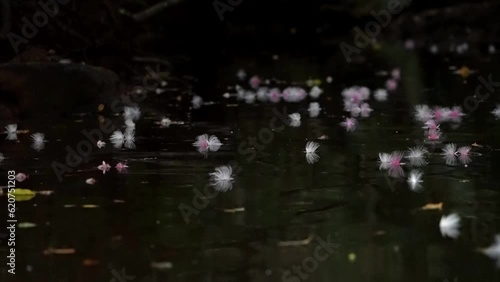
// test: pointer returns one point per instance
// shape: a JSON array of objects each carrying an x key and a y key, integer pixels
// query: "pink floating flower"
[
  {"x": 440, "y": 114},
  {"x": 365, "y": 110},
  {"x": 349, "y": 124},
  {"x": 464, "y": 151},
  {"x": 274, "y": 95},
  {"x": 456, "y": 114},
  {"x": 431, "y": 125},
  {"x": 391, "y": 84},
  {"x": 20, "y": 177},
  {"x": 294, "y": 94},
  {"x": 206, "y": 143},
  {"x": 121, "y": 167},
  {"x": 255, "y": 82},
  {"x": 104, "y": 167},
  {"x": 434, "y": 135},
  {"x": 396, "y": 74}
]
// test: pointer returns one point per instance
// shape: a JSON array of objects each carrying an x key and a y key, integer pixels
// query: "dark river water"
[{"x": 340, "y": 219}]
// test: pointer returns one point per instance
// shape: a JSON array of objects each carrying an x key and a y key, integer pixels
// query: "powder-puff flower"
[
  {"x": 104, "y": 167},
  {"x": 255, "y": 82},
  {"x": 197, "y": 102},
  {"x": 450, "y": 150},
  {"x": 294, "y": 119},
  {"x": 440, "y": 114},
  {"x": 391, "y": 84},
  {"x": 117, "y": 137},
  {"x": 129, "y": 123},
  {"x": 431, "y": 125},
  {"x": 493, "y": 251},
  {"x": 131, "y": 113},
  {"x": 241, "y": 74},
  {"x": 396, "y": 73},
  {"x": 222, "y": 178},
  {"x": 416, "y": 156},
  {"x": 120, "y": 167},
  {"x": 365, "y": 110},
  {"x": 250, "y": 97},
  {"x": 90, "y": 181},
  {"x": 455, "y": 114},
  {"x": 449, "y": 154},
  {"x": 38, "y": 141},
  {"x": 388, "y": 161},
  {"x": 315, "y": 92},
  {"x": 464, "y": 151},
  {"x": 314, "y": 109},
  {"x": 100, "y": 144},
  {"x": 11, "y": 131},
  {"x": 415, "y": 180},
  {"x": 165, "y": 122},
  {"x": 392, "y": 163},
  {"x": 274, "y": 95},
  {"x": 496, "y": 112},
  {"x": 434, "y": 136},
  {"x": 21, "y": 177},
  {"x": 311, "y": 147},
  {"x": 449, "y": 226},
  {"x": 262, "y": 94},
  {"x": 380, "y": 95},
  {"x": 463, "y": 155},
  {"x": 206, "y": 143},
  {"x": 294, "y": 94},
  {"x": 129, "y": 136},
  {"x": 349, "y": 124},
  {"x": 355, "y": 95},
  {"x": 384, "y": 160},
  {"x": 310, "y": 151},
  {"x": 423, "y": 113}
]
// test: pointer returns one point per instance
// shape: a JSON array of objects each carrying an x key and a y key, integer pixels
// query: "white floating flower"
[
  {"x": 197, "y": 102},
  {"x": 206, "y": 143},
  {"x": 101, "y": 144},
  {"x": 222, "y": 178},
  {"x": 415, "y": 180},
  {"x": 310, "y": 151},
  {"x": 38, "y": 141},
  {"x": 496, "y": 112},
  {"x": 294, "y": 119},
  {"x": 493, "y": 251},
  {"x": 314, "y": 109},
  {"x": 131, "y": 113},
  {"x": 380, "y": 95},
  {"x": 449, "y": 226},
  {"x": 165, "y": 122},
  {"x": 315, "y": 92}
]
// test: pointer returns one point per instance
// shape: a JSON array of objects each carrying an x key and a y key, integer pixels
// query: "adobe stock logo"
[
  {"x": 39, "y": 20},
  {"x": 221, "y": 7}
]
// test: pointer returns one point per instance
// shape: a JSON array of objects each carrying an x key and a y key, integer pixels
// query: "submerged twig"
[{"x": 153, "y": 10}]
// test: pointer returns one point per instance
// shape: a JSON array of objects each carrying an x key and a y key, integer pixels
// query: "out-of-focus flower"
[{"x": 449, "y": 226}]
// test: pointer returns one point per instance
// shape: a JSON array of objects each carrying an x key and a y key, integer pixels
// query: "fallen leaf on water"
[
  {"x": 90, "y": 262},
  {"x": 118, "y": 201},
  {"x": 476, "y": 145},
  {"x": 22, "y": 192},
  {"x": 380, "y": 232},
  {"x": 52, "y": 251},
  {"x": 296, "y": 243},
  {"x": 90, "y": 206},
  {"x": 235, "y": 210},
  {"x": 26, "y": 225},
  {"x": 69, "y": 206},
  {"x": 430, "y": 206}
]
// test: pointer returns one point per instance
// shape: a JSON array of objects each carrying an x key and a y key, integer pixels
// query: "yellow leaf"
[{"x": 438, "y": 206}]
